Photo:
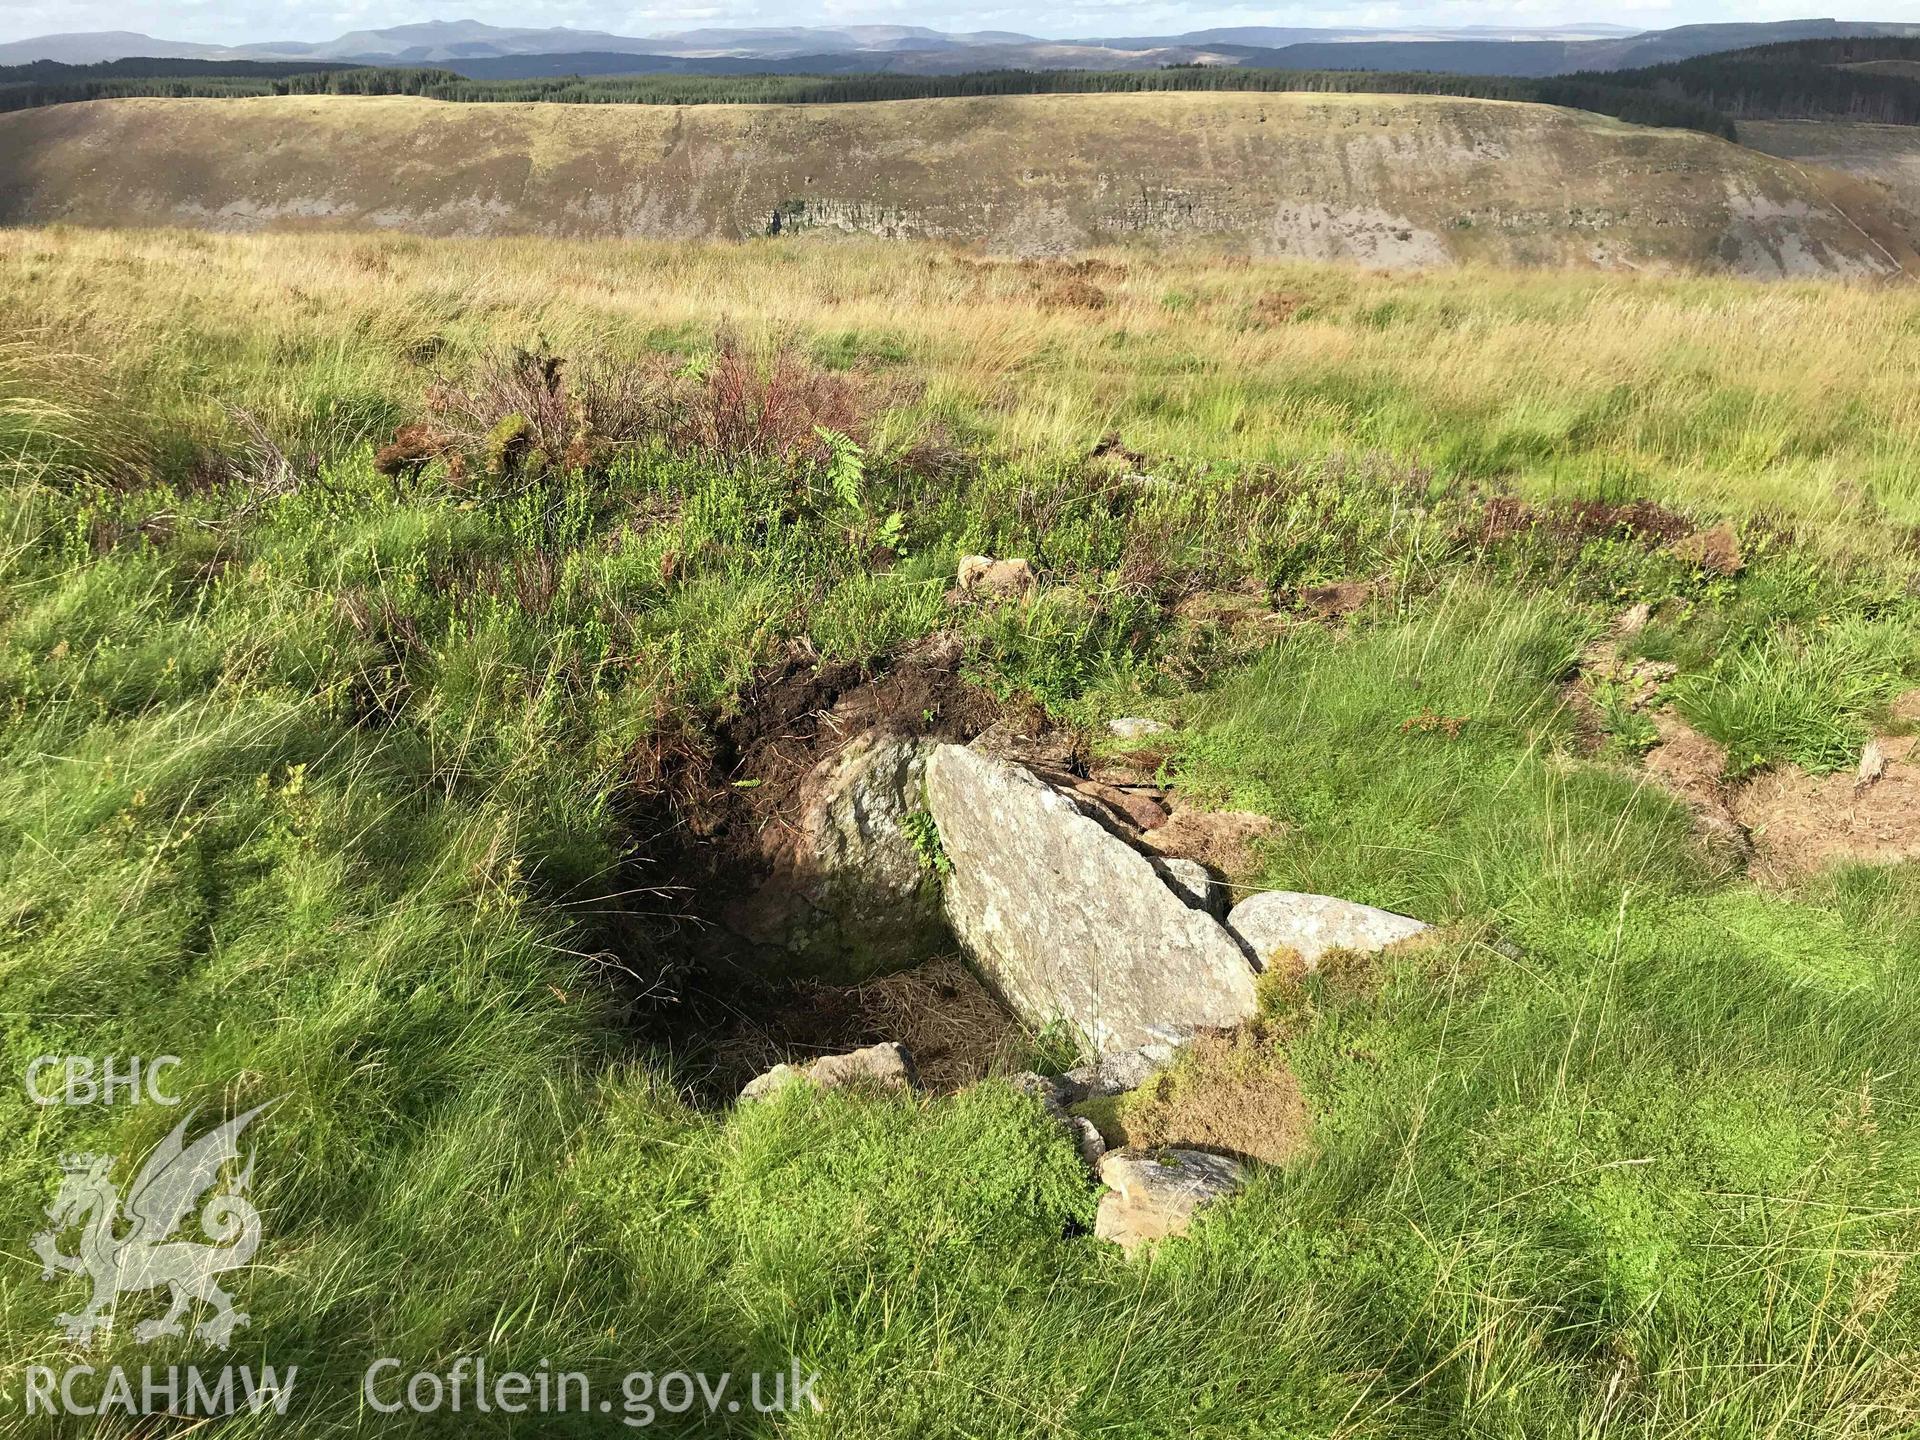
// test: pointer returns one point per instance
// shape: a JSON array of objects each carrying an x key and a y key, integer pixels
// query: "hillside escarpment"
[{"x": 1383, "y": 181}]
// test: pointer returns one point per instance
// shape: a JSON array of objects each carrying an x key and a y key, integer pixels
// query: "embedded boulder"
[
  {"x": 1156, "y": 1194},
  {"x": 1279, "y": 921},
  {"x": 1068, "y": 921},
  {"x": 852, "y": 888}
]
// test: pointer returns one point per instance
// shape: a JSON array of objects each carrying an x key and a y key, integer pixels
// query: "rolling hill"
[
  {"x": 1382, "y": 180},
  {"x": 1885, "y": 158},
  {"x": 1377, "y": 179}
]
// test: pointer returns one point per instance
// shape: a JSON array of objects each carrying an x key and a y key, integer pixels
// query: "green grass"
[{"x": 329, "y": 792}]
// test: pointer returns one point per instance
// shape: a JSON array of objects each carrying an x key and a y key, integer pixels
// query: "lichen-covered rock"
[
  {"x": 1135, "y": 727},
  {"x": 1310, "y": 925},
  {"x": 886, "y": 1066},
  {"x": 1068, "y": 921},
  {"x": 1156, "y": 1194}
]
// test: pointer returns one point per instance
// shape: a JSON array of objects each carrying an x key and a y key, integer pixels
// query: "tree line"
[
  {"x": 48, "y": 82},
  {"x": 1793, "y": 80}
]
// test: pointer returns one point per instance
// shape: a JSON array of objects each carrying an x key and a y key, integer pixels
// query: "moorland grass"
[{"x": 325, "y": 787}]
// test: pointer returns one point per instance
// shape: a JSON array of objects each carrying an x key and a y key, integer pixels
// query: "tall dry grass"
[{"x": 1795, "y": 399}]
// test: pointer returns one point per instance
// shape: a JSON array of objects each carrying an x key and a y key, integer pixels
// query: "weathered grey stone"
[
  {"x": 886, "y": 1065},
  {"x": 1311, "y": 925},
  {"x": 1132, "y": 727},
  {"x": 1156, "y": 1194},
  {"x": 1117, "y": 1073},
  {"x": 1191, "y": 881},
  {"x": 1087, "y": 1137},
  {"x": 1054, "y": 1092},
  {"x": 1068, "y": 921},
  {"x": 852, "y": 890}
]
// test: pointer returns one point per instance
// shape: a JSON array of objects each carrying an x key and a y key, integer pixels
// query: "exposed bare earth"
[
  {"x": 1884, "y": 157},
  {"x": 1801, "y": 823},
  {"x": 1384, "y": 181}
]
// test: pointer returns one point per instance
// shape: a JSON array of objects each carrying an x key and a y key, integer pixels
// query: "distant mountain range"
[{"x": 493, "y": 52}]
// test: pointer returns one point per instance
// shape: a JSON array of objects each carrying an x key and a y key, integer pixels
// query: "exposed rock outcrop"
[{"x": 1383, "y": 181}]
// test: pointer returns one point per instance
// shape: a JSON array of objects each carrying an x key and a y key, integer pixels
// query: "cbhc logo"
[{"x": 116, "y": 1079}]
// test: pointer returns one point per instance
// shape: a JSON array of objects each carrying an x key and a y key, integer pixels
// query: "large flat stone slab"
[{"x": 1068, "y": 921}]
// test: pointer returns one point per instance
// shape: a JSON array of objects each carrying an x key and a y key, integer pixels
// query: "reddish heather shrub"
[{"x": 743, "y": 410}]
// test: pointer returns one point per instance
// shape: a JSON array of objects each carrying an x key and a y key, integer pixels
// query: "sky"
[{"x": 238, "y": 22}]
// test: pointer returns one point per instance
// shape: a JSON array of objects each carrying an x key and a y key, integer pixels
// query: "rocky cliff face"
[{"x": 1377, "y": 180}]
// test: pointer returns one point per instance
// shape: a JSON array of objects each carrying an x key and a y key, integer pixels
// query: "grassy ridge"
[
  {"x": 340, "y": 760},
  {"x": 27, "y": 86}
]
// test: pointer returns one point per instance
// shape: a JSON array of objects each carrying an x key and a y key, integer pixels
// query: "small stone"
[
  {"x": 1156, "y": 1194},
  {"x": 982, "y": 575},
  {"x": 1132, "y": 727},
  {"x": 771, "y": 1082},
  {"x": 1055, "y": 1093},
  {"x": 1116, "y": 1074},
  {"x": 1087, "y": 1137},
  {"x": 1311, "y": 925},
  {"x": 886, "y": 1065}
]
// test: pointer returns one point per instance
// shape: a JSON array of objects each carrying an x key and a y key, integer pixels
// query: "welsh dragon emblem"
[{"x": 146, "y": 1256}]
